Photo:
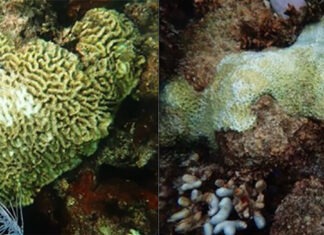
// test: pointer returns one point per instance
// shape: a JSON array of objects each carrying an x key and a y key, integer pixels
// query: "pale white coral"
[
  {"x": 225, "y": 208},
  {"x": 293, "y": 76},
  {"x": 246, "y": 202},
  {"x": 15, "y": 100},
  {"x": 229, "y": 227}
]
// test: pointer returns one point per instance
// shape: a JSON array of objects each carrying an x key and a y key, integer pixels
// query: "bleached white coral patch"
[
  {"x": 25, "y": 102},
  {"x": 15, "y": 101},
  {"x": 293, "y": 76}
]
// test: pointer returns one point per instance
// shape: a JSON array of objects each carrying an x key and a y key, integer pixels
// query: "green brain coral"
[
  {"x": 55, "y": 107},
  {"x": 107, "y": 44},
  {"x": 294, "y": 76}
]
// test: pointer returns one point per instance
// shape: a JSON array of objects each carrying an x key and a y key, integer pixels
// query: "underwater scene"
[
  {"x": 170, "y": 117},
  {"x": 241, "y": 117},
  {"x": 79, "y": 117}
]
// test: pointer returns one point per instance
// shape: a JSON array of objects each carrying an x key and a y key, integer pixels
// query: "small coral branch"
[{"x": 213, "y": 210}]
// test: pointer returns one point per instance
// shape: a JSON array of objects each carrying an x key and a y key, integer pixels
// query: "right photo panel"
[{"x": 241, "y": 117}]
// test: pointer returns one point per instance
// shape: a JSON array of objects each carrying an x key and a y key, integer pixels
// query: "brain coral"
[
  {"x": 294, "y": 76},
  {"x": 55, "y": 107},
  {"x": 106, "y": 43}
]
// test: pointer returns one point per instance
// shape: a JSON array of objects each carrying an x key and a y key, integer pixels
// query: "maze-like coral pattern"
[
  {"x": 57, "y": 105},
  {"x": 106, "y": 42}
]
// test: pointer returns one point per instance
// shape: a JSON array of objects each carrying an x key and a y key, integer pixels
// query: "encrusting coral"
[
  {"x": 293, "y": 76},
  {"x": 55, "y": 105},
  {"x": 262, "y": 111}
]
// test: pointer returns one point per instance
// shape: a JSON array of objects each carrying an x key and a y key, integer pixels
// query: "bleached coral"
[
  {"x": 294, "y": 76},
  {"x": 184, "y": 114},
  {"x": 247, "y": 201}
]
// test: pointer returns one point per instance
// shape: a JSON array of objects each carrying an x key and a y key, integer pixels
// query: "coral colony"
[
  {"x": 227, "y": 197},
  {"x": 69, "y": 72},
  {"x": 56, "y": 106},
  {"x": 293, "y": 76},
  {"x": 289, "y": 79}
]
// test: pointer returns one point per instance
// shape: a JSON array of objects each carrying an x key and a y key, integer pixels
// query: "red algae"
[
  {"x": 91, "y": 196},
  {"x": 117, "y": 203}
]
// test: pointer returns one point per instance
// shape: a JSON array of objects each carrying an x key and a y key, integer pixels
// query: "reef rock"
[
  {"x": 293, "y": 76},
  {"x": 276, "y": 139},
  {"x": 301, "y": 212},
  {"x": 56, "y": 105}
]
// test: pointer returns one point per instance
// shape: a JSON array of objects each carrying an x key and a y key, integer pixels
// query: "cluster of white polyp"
[{"x": 220, "y": 204}]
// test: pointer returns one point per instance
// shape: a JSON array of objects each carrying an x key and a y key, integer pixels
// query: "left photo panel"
[{"x": 79, "y": 117}]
